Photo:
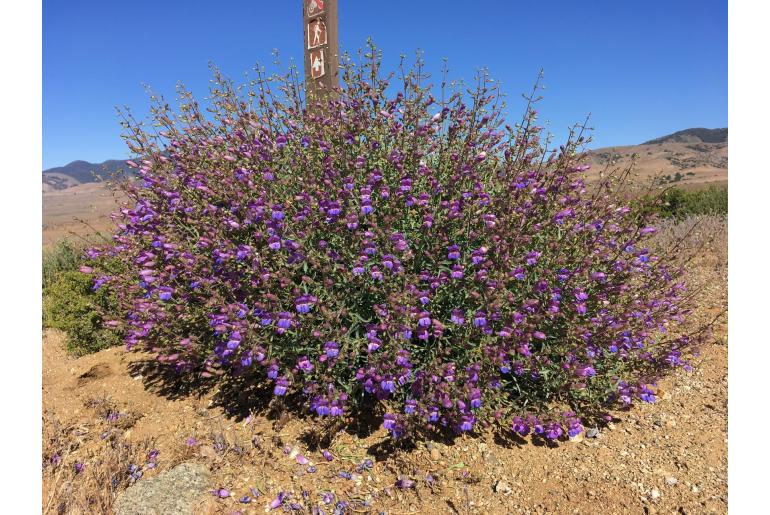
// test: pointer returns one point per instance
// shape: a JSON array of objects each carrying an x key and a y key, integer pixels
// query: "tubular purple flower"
[
  {"x": 281, "y": 384},
  {"x": 480, "y": 319}
]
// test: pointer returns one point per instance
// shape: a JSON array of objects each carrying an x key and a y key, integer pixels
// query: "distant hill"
[
  {"x": 80, "y": 172},
  {"x": 688, "y": 158},
  {"x": 697, "y": 135}
]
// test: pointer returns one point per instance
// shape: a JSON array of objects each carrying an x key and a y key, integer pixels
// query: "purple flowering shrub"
[{"x": 392, "y": 250}]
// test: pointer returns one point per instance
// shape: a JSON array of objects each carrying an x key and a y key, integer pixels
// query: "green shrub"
[
  {"x": 64, "y": 257},
  {"x": 71, "y": 304},
  {"x": 679, "y": 203}
]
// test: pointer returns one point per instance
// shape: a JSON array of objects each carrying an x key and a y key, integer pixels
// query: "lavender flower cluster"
[{"x": 390, "y": 250}]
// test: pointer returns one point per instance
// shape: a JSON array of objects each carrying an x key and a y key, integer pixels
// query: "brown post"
[{"x": 321, "y": 44}]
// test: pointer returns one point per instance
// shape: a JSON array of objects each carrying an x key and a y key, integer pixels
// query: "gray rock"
[
  {"x": 176, "y": 491},
  {"x": 592, "y": 433}
]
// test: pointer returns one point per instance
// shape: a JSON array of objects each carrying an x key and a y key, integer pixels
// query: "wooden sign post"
[{"x": 321, "y": 47}]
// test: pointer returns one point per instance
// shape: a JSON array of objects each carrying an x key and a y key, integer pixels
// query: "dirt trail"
[{"x": 668, "y": 457}]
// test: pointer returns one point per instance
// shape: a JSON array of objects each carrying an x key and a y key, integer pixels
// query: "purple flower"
[
  {"x": 475, "y": 398},
  {"x": 388, "y": 385},
  {"x": 477, "y": 256},
  {"x": 424, "y": 320},
  {"x": 532, "y": 257},
  {"x": 304, "y": 364},
  {"x": 575, "y": 428},
  {"x": 453, "y": 252},
  {"x": 285, "y": 320},
  {"x": 79, "y": 467},
  {"x": 305, "y": 303},
  {"x": 480, "y": 319},
  {"x": 332, "y": 349},
  {"x": 278, "y": 501},
  {"x": 457, "y": 317},
  {"x": 520, "y": 426},
  {"x": 327, "y": 455},
  {"x": 281, "y": 384},
  {"x": 553, "y": 431},
  {"x": 404, "y": 483},
  {"x": 647, "y": 395},
  {"x": 466, "y": 422},
  {"x": 389, "y": 421}
]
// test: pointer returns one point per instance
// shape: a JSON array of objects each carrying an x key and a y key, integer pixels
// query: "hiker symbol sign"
[{"x": 316, "y": 33}]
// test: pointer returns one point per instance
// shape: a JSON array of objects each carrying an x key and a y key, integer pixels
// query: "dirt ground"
[
  {"x": 667, "y": 457},
  {"x": 83, "y": 210}
]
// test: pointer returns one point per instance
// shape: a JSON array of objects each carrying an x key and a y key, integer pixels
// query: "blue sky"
[{"x": 642, "y": 68}]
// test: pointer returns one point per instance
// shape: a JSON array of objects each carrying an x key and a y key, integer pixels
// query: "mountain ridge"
[{"x": 692, "y": 135}]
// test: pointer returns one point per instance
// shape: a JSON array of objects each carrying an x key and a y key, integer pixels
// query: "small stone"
[
  {"x": 577, "y": 438},
  {"x": 489, "y": 458},
  {"x": 695, "y": 489},
  {"x": 501, "y": 487},
  {"x": 654, "y": 494},
  {"x": 592, "y": 432},
  {"x": 435, "y": 455},
  {"x": 671, "y": 481}
]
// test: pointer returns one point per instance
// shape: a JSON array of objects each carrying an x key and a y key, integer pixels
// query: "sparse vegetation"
[
  {"x": 85, "y": 466},
  {"x": 64, "y": 257}
]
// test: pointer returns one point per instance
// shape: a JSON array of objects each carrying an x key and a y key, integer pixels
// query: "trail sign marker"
[
  {"x": 316, "y": 34},
  {"x": 317, "y": 65},
  {"x": 321, "y": 47}
]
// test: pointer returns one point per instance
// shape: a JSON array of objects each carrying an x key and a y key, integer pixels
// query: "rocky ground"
[{"x": 202, "y": 453}]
